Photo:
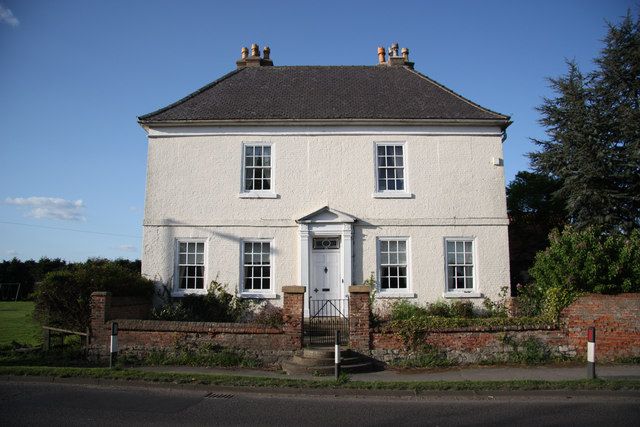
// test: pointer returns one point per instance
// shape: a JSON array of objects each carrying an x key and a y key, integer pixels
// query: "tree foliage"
[
  {"x": 63, "y": 297},
  {"x": 593, "y": 129},
  {"x": 534, "y": 210}
]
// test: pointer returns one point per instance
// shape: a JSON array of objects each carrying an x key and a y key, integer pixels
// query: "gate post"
[
  {"x": 359, "y": 312},
  {"x": 293, "y": 311}
]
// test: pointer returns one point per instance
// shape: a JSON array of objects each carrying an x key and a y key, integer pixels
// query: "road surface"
[{"x": 51, "y": 404}]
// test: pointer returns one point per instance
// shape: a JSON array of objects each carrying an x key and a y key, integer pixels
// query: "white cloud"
[
  {"x": 127, "y": 248},
  {"x": 6, "y": 17},
  {"x": 12, "y": 253},
  {"x": 50, "y": 207}
]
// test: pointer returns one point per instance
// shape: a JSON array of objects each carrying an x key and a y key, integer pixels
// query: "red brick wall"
[
  {"x": 130, "y": 308},
  {"x": 615, "y": 317},
  {"x": 359, "y": 309},
  {"x": 617, "y": 322},
  {"x": 141, "y": 336}
]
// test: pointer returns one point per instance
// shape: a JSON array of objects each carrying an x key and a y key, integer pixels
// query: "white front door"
[{"x": 326, "y": 282}]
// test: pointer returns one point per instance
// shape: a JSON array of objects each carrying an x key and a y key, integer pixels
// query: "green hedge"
[{"x": 63, "y": 298}]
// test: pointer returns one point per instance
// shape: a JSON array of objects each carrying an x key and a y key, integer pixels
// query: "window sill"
[
  {"x": 258, "y": 295},
  {"x": 449, "y": 295},
  {"x": 393, "y": 195},
  {"x": 256, "y": 195},
  {"x": 181, "y": 293},
  {"x": 390, "y": 295}
]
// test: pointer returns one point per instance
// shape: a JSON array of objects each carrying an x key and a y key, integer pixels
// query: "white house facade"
[{"x": 322, "y": 176}]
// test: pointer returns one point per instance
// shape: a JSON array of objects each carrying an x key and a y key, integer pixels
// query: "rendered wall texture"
[{"x": 194, "y": 181}]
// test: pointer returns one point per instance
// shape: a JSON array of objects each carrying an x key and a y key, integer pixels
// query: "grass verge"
[
  {"x": 17, "y": 324},
  {"x": 241, "y": 381}
]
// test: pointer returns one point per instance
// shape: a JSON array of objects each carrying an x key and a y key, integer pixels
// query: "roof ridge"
[
  {"x": 452, "y": 92},
  {"x": 191, "y": 95}
]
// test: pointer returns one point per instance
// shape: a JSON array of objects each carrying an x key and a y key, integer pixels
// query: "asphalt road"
[{"x": 52, "y": 404}]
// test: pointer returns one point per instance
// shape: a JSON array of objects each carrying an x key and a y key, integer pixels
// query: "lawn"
[{"x": 17, "y": 324}]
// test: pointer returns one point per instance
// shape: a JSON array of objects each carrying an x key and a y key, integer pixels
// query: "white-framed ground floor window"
[
  {"x": 460, "y": 265},
  {"x": 190, "y": 266},
  {"x": 393, "y": 265},
  {"x": 257, "y": 268}
]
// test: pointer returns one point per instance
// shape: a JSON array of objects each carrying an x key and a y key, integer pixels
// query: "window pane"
[
  {"x": 399, "y": 185},
  {"x": 382, "y": 185},
  {"x": 467, "y": 246},
  {"x": 382, "y": 161},
  {"x": 199, "y": 258},
  {"x": 199, "y": 284},
  {"x": 257, "y": 151},
  {"x": 182, "y": 259},
  {"x": 248, "y": 284},
  {"x": 402, "y": 245},
  {"x": 249, "y": 151},
  {"x": 399, "y": 161},
  {"x": 266, "y": 151},
  {"x": 389, "y": 150},
  {"x": 468, "y": 258},
  {"x": 393, "y": 246},
  {"x": 402, "y": 258},
  {"x": 183, "y": 247},
  {"x": 384, "y": 246},
  {"x": 384, "y": 283},
  {"x": 402, "y": 283},
  {"x": 391, "y": 185},
  {"x": 451, "y": 246},
  {"x": 398, "y": 150},
  {"x": 380, "y": 150}
]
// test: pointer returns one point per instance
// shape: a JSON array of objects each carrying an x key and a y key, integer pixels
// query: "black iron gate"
[{"x": 326, "y": 316}]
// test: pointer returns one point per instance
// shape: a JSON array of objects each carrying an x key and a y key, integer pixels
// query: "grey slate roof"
[{"x": 323, "y": 92}]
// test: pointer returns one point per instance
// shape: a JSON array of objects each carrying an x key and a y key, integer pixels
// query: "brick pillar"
[
  {"x": 293, "y": 308},
  {"x": 100, "y": 331},
  {"x": 359, "y": 312}
]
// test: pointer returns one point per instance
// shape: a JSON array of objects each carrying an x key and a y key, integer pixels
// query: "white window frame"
[
  {"x": 258, "y": 293},
  {"x": 392, "y": 194},
  {"x": 257, "y": 194},
  {"x": 394, "y": 293},
  {"x": 457, "y": 293},
  {"x": 176, "y": 290}
]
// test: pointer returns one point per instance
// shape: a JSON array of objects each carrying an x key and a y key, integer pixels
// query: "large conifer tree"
[{"x": 593, "y": 129}]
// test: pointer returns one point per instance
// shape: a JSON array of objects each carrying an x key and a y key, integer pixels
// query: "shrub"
[
  {"x": 584, "y": 261},
  {"x": 439, "y": 308},
  {"x": 463, "y": 309},
  {"x": 217, "y": 305},
  {"x": 404, "y": 310},
  {"x": 270, "y": 315},
  {"x": 63, "y": 297}
]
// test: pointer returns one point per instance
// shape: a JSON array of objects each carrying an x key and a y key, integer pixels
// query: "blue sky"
[{"x": 74, "y": 75}]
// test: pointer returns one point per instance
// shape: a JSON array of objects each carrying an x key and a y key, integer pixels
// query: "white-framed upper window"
[
  {"x": 390, "y": 167},
  {"x": 257, "y": 170},
  {"x": 190, "y": 266},
  {"x": 393, "y": 264},
  {"x": 460, "y": 264},
  {"x": 257, "y": 266}
]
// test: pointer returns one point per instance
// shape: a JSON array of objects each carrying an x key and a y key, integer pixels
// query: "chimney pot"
[
  {"x": 255, "y": 50},
  {"x": 405, "y": 53},
  {"x": 394, "y": 49},
  {"x": 381, "y": 55},
  {"x": 266, "y": 52},
  {"x": 244, "y": 53}
]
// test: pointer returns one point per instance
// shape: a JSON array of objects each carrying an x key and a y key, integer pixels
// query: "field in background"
[{"x": 17, "y": 324}]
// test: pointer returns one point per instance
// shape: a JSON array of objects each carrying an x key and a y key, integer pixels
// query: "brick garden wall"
[
  {"x": 139, "y": 337},
  {"x": 616, "y": 318},
  {"x": 617, "y": 322}
]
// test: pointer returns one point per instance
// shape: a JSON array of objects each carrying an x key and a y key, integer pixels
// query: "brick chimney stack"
[
  {"x": 254, "y": 59},
  {"x": 395, "y": 59}
]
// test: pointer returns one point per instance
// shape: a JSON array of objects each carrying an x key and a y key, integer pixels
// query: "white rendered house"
[{"x": 320, "y": 175}]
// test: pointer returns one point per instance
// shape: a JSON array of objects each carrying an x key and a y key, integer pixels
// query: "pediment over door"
[{"x": 326, "y": 215}]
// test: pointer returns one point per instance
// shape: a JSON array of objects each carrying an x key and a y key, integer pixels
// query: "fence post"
[
  {"x": 591, "y": 352},
  {"x": 114, "y": 344},
  {"x": 337, "y": 355}
]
